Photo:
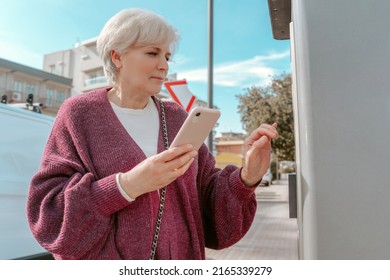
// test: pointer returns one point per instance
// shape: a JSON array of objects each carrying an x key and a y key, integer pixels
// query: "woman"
[{"x": 100, "y": 191}]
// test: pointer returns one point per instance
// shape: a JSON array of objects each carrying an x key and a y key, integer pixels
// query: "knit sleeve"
[
  {"x": 228, "y": 205},
  {"x": 69, "y": 209}
]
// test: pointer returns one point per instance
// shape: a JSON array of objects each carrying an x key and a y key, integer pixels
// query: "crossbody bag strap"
[{"x": 163, "y": 190}]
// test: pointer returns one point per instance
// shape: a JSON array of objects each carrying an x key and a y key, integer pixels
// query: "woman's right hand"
[{"x": 157, "y": 171}]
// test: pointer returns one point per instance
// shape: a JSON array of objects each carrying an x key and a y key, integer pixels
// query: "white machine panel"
[{"x": 341, "y": 73}]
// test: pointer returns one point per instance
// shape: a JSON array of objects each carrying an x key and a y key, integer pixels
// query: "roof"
[
  {"x": 233, "y": 142},
  {"x": 16, "y": 67},
  {"x": 280, "y": 14}
]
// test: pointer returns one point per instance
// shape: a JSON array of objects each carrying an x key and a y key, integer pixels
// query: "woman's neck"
[{"x": 123, "y": 100}]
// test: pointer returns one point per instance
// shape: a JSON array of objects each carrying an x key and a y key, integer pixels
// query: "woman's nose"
[{"x": 163, "y": 64}]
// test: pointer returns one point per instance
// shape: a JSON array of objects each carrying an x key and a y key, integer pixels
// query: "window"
[
  {"x": 95, "y": 77},
  {"x": 30, "y": 88},
  {"x": 18, "y": 86},
  {"x": 60, "y": 97},
  {"x": 50, "y": 94},
  {"x": 52, "y": 68}
]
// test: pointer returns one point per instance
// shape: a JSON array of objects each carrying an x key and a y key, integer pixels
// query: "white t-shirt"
[{"x": 143, "y": 127}]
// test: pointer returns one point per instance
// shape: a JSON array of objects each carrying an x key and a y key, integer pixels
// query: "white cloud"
[
  {"x": 254, "y": 71},
  {"x": 179, "y": 59}
]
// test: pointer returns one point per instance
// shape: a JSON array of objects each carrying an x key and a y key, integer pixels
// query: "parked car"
[
  {"x": 287, "y": 166},
  {"x": 267, "y": 178},
  {"x": 24, "y": 135}
]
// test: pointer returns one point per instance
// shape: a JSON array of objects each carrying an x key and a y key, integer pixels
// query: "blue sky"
[{"x": 245, "y": 53}]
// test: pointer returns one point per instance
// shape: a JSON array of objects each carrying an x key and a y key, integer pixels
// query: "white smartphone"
[{"x": 197, "y": 126}]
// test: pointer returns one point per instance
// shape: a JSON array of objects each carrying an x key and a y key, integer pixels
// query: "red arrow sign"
[{"x": 181, "y": 93}]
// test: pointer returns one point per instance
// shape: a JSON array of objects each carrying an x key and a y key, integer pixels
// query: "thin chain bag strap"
[{"x": 163, "y": 190}]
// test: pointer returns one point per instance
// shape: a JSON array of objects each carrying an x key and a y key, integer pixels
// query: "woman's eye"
[{"x": 152, "y": 53}]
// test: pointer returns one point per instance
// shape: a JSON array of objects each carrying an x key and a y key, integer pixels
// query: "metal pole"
[{"x": 210, "y": 69}]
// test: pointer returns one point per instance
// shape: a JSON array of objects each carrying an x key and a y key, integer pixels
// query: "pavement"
[
  {"x": 276, "y": 192},
  {"x": 273, "y": 234}
]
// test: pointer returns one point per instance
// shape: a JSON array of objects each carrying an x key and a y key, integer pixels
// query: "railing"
[{"x": 94, "y": 81}]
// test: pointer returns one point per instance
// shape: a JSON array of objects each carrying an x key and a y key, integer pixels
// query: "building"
[
  {"x": 229, "y": 136},
  {"x": 17, "y": 81},
  {"x": 229, "y": 149},
  {"x": 234, "y": 147},
  {"x": 82, "y": 64}
]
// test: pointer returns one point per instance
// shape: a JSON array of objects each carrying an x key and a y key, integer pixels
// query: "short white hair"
[{"x": 133, "y": 27}]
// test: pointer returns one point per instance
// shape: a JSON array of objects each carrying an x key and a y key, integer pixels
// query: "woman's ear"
[{"x": 116, "y": 59}]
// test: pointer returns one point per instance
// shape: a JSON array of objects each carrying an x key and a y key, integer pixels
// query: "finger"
[
  {"x": 181, "y": 160},
  {"x": 175, "y": 152},
  {"x": 182, "y": 169},
  {"x": 266, "y": 125},
  {"x": 268, "y": 130},
  {"x": 262, "y": 142},
  {"x": 272, "y": 127}
]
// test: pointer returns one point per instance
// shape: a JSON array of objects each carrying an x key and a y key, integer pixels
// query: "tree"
[{"x": 269, "y": 104}]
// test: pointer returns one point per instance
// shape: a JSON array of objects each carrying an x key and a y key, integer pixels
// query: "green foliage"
[{"x": 270, "y": 104}]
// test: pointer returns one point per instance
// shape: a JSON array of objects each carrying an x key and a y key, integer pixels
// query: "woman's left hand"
[{"x": 257, "y": 153}]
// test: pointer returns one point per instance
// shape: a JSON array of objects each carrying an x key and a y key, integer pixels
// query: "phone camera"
[{"x": 197, "y": 114}]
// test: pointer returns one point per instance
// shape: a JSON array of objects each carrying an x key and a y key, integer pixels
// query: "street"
[{"x": 273, "y": 235}]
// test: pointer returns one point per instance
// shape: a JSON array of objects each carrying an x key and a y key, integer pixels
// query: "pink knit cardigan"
[{"x": 75, "y": 210}]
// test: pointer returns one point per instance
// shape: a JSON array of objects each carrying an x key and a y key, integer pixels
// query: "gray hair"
[{"x": 133, "y": 27}]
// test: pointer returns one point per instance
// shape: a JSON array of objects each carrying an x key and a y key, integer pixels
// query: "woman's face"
[{"x": 142, "y": 69}]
